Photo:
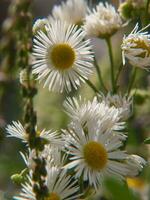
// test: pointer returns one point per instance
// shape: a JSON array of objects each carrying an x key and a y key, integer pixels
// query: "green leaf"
[
  {"x": 147, "y": 141},
  {"x": 119, "y": 190}
]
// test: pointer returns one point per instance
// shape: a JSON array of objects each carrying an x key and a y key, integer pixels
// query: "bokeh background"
[{"x": 48, "y": 105}]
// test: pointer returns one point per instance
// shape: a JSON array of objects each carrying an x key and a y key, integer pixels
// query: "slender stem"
[
  {"x": 99, "y": 76},
  {"x": 118, "y": 74},
  {"x": 108, "y": 41},
  {"x": 131, "y": 83},
  {"x": 91, "y": 85},
  {"x": 146, "y": 12}
]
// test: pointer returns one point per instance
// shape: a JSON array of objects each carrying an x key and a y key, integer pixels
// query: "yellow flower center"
[
  {"x": 136, "y": 183},
  {"x": 62, "y": 56},
  {"x": 38, "y": 133},
  {"x": 95, "y": 155},
  {"x": 141, "y": 44},
  {"x": 52, "y": 196}
]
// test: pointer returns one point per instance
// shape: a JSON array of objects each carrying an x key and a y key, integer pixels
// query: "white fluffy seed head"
[
  {"x": 103, "y": 21},
  {"x": 71, "y": 11}
]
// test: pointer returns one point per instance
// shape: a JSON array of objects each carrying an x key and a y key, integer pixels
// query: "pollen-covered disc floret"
[
  {"x": 62, "y": 59},
  {"x": 71, "y": 11},
  {"x": 95, "y": 152},
  {"x": 60, "y": 187},
  {"x": 103, "y": 21},
  {"x": 52, "y": 196},
  {"x": 136, "y": 48},
  {"x": 95, "y": 155}
]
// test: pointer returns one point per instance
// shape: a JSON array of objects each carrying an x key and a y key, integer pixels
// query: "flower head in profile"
[
  {"x": 93, "y": 112},
  {"x": 60, "y": 187},
  {"x": 103, "y": 21},
  {"x": 136, "y": 48},
  {"x": 122, "y": 103},
  {"x": 18, "y": 131},
  {"x": 95, "y": 153},
  {"x": 62, "y": 60},
  {"x": 71, "y": 11}
]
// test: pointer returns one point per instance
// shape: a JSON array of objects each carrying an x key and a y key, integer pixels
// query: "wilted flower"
[
  {"x": 136, "y": 48},
  {"x": 103, "y": 21}
]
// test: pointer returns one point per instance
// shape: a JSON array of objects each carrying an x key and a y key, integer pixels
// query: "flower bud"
[{"x": 39, "y": 25}]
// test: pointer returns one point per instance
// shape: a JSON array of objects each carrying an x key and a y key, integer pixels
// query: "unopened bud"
[{"x": 39, "y": 25}]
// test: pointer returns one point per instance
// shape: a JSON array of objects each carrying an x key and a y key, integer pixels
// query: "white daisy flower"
[
  {"x": 71, "y": 11},
  {"x": 60, "y": 186},
  {"x": 122, "y": 103},
  {"x": 136, "y": 48},
  {"x": 61, "y": 59},
  {"x": 103, "y": 21},
  {"x": 18, "y": 131},
  {"x": 93, "y": 112},
  {"x": 39, "y": 25},
  {"x": 95, "y": 154}
]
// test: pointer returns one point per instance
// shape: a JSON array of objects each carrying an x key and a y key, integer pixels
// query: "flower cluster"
[
  {"x": 92, "y": 149},
  {"x": 92, "y": 146}
]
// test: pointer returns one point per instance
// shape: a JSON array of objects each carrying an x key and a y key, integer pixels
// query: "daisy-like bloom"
[
  {"x": 93, "y": 112},
  {"x": 95, "y": 153},
  {"x": 123, "y": 103},
  {"x": 62, "y": 59},
  {"x": 136, "y": 48},
  {"x": 60, "y": 186},
  {"x": 71, "y": 11},
  {"x": 139, "y": 186},
  {"x": 39, "y": 25},
  {"x": 18, "y": 131},
  {"x": 103, "y": 21}
]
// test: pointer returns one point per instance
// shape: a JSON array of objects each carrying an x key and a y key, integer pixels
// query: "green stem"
[
  {"x": 91, "y": 85},
  {"x": 108, "y": 41},
  {"x": 146, "y": 12},
  {"x": 131, "y": 83},
  {"x": 99, "y": 76},
  {"x": 118, "y": 74}
]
